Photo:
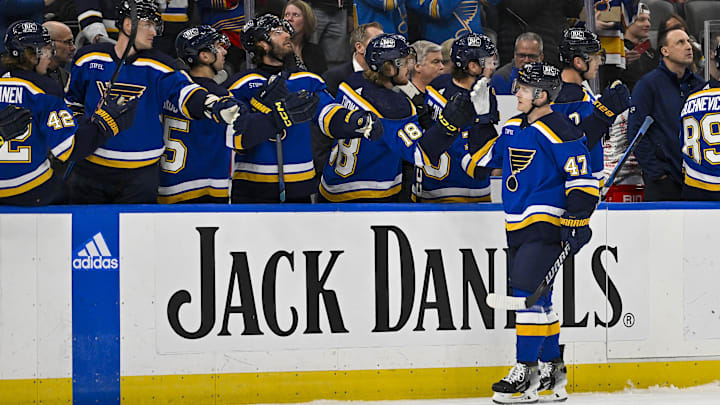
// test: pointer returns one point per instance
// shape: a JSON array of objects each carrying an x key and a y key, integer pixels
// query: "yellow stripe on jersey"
[
  {"x": 121, "y": 164},
  {"x": 434, "y": 93},
  {"x": 613, "y": 45},
  {"x": 239, "y": 82},
  {"x": 701, "y": 184},
  {"x": 326, "y": 120},
  {"x": 273, "y": 178},
  {"x": 65, "y": 155},
  {"x": 92, "y": 55},
  {"x": 175, "y": 17},
  {"x": 192, "y": 194},
  {"x": 454, "y": 199},
  {"x": 9, "y": 192},
  {"x": 357, "y": 98},
  {"x": 184, "y": 102},
  {"x": 300, "y": 75},
  {"x": 515, "y": 226},
  {"x": 14, "y": 80},
  {"x": 538, "y": 330},
  {"x": 154, "y": 64},
  {"x": 355, "y": 195},
  {"x": 434, "y": 9},
  {"x": 589, "y": 190},
  {"x": 545, "y": 130},
  {"x": 479, "y": 155}
]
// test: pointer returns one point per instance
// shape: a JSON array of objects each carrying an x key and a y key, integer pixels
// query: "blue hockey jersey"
[
  {"x": 448, "y": 182},
  {"x": 577, "y": 103},
  {"x": 196, "y": 161},
  {"x": 444, "y": 19},
  {"x": 149, "y": 75},
  {"x": 24, "y": 164},
  {"x": 545, "y": 172},
  {"x": 700, "y": 118},
  {"x": 359, "y": 169},
  {"x": 391, "y": 14}
]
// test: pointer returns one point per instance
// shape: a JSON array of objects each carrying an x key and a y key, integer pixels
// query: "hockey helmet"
[
  {"x": 26, "y": 34},
  {"x": 471, "y": 47},
  {"x": 147, "y": 10},
  {"x": 541, "y": 77},
  {"x": 580, "y": 42},
  {"x": 191, "y": 41},
  {"x": 387, "y": 48},
  {"x": 259, "y": 28}
]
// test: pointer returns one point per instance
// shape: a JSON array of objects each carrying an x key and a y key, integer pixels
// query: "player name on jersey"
[
  {"x": 704, "y": 103},
  {"x": 11, "y": 94}
]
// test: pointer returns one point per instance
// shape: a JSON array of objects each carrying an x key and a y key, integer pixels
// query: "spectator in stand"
[
  {"x": 443, "y": 19},
  {"x": 548, "y": 18},
  {"x": 445, "y": 49},
  {"x": 13, "y": 10},
  {"x": 528, "y": 49},
  {"x": 640, "y": 56},
  {"x": 661, "y": 94},
  {"x": 333, "y": 24},
  {"x": 62, "y": 37},
  {"x": 392, "y": 15},
  {"x": 676, "y": 21},
  {"x": 302, "y": 18}
]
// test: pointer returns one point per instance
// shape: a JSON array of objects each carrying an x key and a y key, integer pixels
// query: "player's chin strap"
[{"x": 534, "y": 106}]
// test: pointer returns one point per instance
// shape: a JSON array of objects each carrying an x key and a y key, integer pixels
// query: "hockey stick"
[
  {"x": 131, "y": 41},
  {"x": 281, "y": 169},
  {"x": 643, "y": 128},
  {"x": 516, "y": 303}
]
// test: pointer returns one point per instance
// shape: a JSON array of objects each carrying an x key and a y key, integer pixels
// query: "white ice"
[{"x": 702, "y": 395}]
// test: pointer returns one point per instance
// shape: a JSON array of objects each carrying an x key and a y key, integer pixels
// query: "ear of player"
[
  {"x": 115, "y": 114},
  {"x": 615, "y": 99},
  {"x": 457, "y": 114},
  {"x": 14, "y": 122}
]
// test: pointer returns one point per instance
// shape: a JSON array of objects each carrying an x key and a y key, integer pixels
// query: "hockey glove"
[
  {"x": 365, "y": 123},
  {"x": 14, "y": 122},
  {"x": 484, "y": 102},
  {"x": 93, "y": 33},
  {"x": 115, "y": 114},
  {"x": 575, "y": 231},
  {"x": 294, "y": 109},
  {"x": 424, "y": 115},
  {"x": 274, "y": 89},
  {"x": 615, "y": 99},
  {"x": 223, "y": 110},
  {"x": 457, "y": 114}
]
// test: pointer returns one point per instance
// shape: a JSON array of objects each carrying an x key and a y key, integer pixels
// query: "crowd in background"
[{"x": 330, "y": 37}]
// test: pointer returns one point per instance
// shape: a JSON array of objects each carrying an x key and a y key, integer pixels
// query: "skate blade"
[
  {"x": 559, "y": 395},
  {"x": 527, "y": 397}
]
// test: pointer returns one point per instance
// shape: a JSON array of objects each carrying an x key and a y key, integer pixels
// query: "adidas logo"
[{"x": 95, "y": 255}]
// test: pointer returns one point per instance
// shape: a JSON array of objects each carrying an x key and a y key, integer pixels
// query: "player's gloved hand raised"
[
  {"x": 115, "y": 114},
  {"x": 366, "y": 123},
  {"x": 223, "y": 110},
  {"x": 14, "y": 122},
  {"x": 424, "y": 115},
  {"x": 92, "y": 34},
  {"x": 575, "y": 231},
  {"x": 294, "y": 109},
  {"x": 274, "y": 89},
  {"x": 615, "y": 99},
  {"x": 458, "y": 113},
  {"x": 484, "y": 102}
]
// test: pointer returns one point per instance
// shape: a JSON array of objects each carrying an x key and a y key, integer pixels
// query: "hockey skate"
[
  {"x": 553, "y": 379},
  {"x": 520, "y": 386}
]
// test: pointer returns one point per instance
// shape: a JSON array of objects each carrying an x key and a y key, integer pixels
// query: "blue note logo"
[{"x": 95, "y": 255}]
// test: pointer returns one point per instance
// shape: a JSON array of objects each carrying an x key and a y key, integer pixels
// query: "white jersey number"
[
  {"x": 345, "y": 158},
  {"x": 17, "y": 154},
  {"x": 709, "y": 129},
  {"x": 173, "y": 160}
]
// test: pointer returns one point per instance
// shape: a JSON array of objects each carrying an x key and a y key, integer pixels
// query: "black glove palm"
[
  {"x": 615, "y": 99},
  {"x": 14, "y": 122},
  {"x": 294, "y": 109},
  {"x": 115, "y": 114},
  {"x": 458, "y": 113},
  {"x": 575, "y": 231}
]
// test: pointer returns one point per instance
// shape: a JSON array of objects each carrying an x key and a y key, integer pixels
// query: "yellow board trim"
[{"x": 36, "y": 391}]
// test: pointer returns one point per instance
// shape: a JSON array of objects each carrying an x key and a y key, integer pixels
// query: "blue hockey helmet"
[
  {"x": 26, "y": 34},
  {"x": 147, "y": 10},
  {"x": 471, "y": 47},
  {"x": 259, "y": 28},
  {"x": 541, "y": 77},
  {"x": 191, "y": 41},
  {"x": 387, "y": 48},
  {"x": 578, "y": 41}
]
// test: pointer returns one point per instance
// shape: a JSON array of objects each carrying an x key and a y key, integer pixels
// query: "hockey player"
[
  {"x": 581, "y": 55},
  {"x": 26, "y": 177},
  {"x": 256, "y": 175},
  {"x": 125, "y": 169},
  {"x": 362, "y": 171},
  {"x": 448, "y": 182},
  {"x": 700, "y": 119},
  {"x": 196, "y": 165},
  {"x": 548, "y": 196}
]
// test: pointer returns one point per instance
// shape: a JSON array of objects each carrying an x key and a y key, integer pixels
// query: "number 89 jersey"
[
  {"x": 700, "y": 118},
  {"x": 360, "y": 169}
]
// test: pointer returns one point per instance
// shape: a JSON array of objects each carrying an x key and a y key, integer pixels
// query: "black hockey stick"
[
  {"x": 515, "y": 303},
  {"x": 281, "y": 169},
  {"x": 131, "y": 41},
  {"x": 630, "y": 149}
]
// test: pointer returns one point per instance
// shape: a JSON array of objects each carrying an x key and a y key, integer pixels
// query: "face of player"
[
  {"x": 295, "y": 17},
  {"x": 218, "y": 60},
  {"x": 524, "y": 96},
  {"x": 280, "y": 44},
  {"x": 678, "y": 49},
  {"x": 641, "y": 27},
  {"x": 595, "y": 61},
  {"x": 430, "y": 68},
  {"x": 146, "y": 32},
  {"x": 403, "y": 72}
]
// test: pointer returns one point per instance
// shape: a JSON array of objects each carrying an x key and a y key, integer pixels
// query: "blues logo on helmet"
[
  {"x": 387, "y": 48},
  {"x": 578, "y": 42},
  {"x": 147, "y": 10},
  {"x": 471, "y": 47},
  {"x": 191, "y": 41},
  {"x": 259, "y": 29},
  {"x": 541, "y": 77},
  {"x": 26, "y": 34}
]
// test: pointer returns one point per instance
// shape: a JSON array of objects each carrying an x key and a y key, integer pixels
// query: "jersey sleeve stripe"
[
  {"x": 241, "y": 81},
  {"x": 547, "y": 132},
  {"x": 151, "y": 63},
  {"x": 185, "y": 94},
  {"x": 437, "y": 97},
  {"x": 93, "y": 56},
  {"x": 326, "y": 115},
  {"x": 64, "y": 149},
  {"x": 481, "y": 157},
  {"x": 593, "y": 191},
  {"x": 233, "y": 140},
  {"x": 358, "y": 100}
]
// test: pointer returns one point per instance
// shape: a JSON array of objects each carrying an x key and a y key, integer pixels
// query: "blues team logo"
[
  {"x": 122, "y": 89},
  {"x": 94, "y": 254},
  {"x": 519, "y": 160}
]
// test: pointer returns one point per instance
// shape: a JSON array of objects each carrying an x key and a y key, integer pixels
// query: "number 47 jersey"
[{"x": 700, "y": 118}]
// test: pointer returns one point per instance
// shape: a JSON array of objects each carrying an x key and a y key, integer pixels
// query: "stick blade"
[{"x": 505, "y": 302}]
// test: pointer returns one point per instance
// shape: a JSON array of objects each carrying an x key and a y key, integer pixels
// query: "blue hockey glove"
[
  {"x": 615, "y": 99},
  {"x": 14, "y": 122},
  {"x": 458, "y": 113},
  {"x": 365, "y": 123},
  {"x": 115, "y": 114},
  {"x": 575, "y": 231},
  {"x": 295, "y": 108},
  {"x": 274, "y": 89}
]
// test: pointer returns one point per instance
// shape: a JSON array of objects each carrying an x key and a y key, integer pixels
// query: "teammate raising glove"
[
  {"x": 14, "y": 122},
  {"x": 615, "y": 99},
  {"x": 457, "y": 114},
  {"x": 484, "y": 102}
]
